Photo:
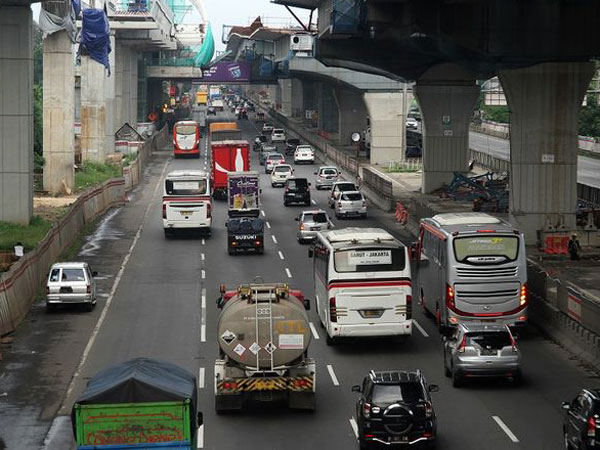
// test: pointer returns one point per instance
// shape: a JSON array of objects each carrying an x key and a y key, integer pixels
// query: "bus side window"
[{"x": 442, "y": 252}]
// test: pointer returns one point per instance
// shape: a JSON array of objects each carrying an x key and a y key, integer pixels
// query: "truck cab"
[{"x": 245, "y": 234}]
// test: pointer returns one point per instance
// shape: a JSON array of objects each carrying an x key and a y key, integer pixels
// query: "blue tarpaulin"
[
  {"x": 95, "y": 36},
  {"x": 76, "y": 4}
]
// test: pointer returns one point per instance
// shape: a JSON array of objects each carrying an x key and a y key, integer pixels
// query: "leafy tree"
[{"x": 589, "y": 118}]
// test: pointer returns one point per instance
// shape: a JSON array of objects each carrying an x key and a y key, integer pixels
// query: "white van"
[
  {"x": 362, "y": 283},
  {"x": 186, "y": 201},
  {"x": 472, "y": 268}
]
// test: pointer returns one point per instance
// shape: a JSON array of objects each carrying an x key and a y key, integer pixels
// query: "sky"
[{"x": 236, "y": 12}]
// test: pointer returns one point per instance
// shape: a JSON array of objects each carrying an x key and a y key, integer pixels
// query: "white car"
[
  {"x": 267, "y": 127},
  {"x": 304, "y": 154},
  {"x": 280, "y": 174},
  {"x": 273, "y": 160},
  {"x": 278, "y": 135},
  {"x": 70, "y": 283},
  {"x": 411, "y": 123},
  {"x": 350, "y": 203},
  {"x": 340, "y": 186}
]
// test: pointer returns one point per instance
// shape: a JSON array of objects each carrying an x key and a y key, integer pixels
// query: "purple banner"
[
  {"x": 244, "y": 191},
  {"x": 223, "y": 72}
]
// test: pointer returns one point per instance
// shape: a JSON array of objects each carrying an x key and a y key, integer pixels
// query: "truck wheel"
[
  {"x": 362, "y": 444},
  {"x": 89, "y": 307},
  {"x": 168, "y": 233},
  {"x": 330, "y": 341},
  {"x": 50, "y": 308}
]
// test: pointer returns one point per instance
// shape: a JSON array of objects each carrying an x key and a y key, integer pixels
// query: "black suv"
[
  {"x": 296, "y": 191},
  {"x": 395, "y": 408},
  {"x": 582, "y": 421}
]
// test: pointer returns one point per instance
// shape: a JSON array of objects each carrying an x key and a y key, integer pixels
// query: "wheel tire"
[
  {"x": 456, "y": 379},
  {"x": 168, "y": 233},
  {"x": 286, "y": 203},
  {"x": 272, "y": 184},
  {"x": 89, "y": 307},
  {"x": 329, "y": 340},
  {"x": 364, "y": 216},
  {"x": 50, "y": 308},
  {"x": 447, "y": 372},
  {"x": 363, "y": 445}
]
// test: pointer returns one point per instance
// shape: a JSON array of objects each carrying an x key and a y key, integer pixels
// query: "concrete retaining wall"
[{"x": 19, "y": 286}]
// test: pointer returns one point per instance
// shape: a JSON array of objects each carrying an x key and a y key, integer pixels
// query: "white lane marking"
[
  {"x": 203, "y": 319},
  {"x": 104, "y": 295},
  {"x": 420, "y": 328},
  {"x": 274, "y": 238},
  {"x": 312, "y": 200},
  {"x": 354, "y": 426},
  {"x": 203, "y": 274},
  {"x": 100, "y": 278},
  {"x": 505, "y": 428},
  {"x": 263, "y": 213},
  {"x": 200, "y": 437},
  {"x": 202, "y": 256},
  {"x": 115, "y": 285},
  {"x": 201, "y": 378},
  {"x": 332, "y": 375},
  {"x": 280, "y": 255},
  {"x": 203, "y": 242},
  {"x": 313, "y": 330},
  {"x": 268, "y": 224},
  {"x": 289, "y": 274}
]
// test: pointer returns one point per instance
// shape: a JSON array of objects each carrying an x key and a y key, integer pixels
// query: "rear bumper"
[
  {"x": 479, "y": 369},
  {"x": 291, "y": 198},
  {"x": 403, "y": 328},
  {"x": 203, "y": 224},
  {"x": 57, "y": 299},
  {"x": 352, "y": 212},
  {"x": 518, "y": 319}
]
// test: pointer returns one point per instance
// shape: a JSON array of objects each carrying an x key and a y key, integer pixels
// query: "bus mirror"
[
  {"x": 306, "y": 304},
  {"x": 310, "y": 252}
]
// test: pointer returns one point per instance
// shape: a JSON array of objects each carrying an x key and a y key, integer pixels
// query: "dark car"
[
  {"x": 296, "y": 191},
  {"x": 258, "y": 141},
  {"x": 395, "y": 408},
  {"x": 581, "y": 427},
  {"x": 245, "y": 234},
  {"x": 211, "y": 110},
  {"x": 290, "y": 145}
]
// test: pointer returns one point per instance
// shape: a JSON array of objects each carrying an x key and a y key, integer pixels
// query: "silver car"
[
  {"x": 350, "y": 203},
  {"x": 481, "y": 350},
  {"x": 337, "y": 187},
  {"x": 310, "y": 223},
  {"x": 71, "y": 283},
  {"x": 326, "y": 176}
]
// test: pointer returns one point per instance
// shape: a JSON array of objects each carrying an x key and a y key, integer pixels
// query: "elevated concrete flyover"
[{"x": 444, "y": 46}]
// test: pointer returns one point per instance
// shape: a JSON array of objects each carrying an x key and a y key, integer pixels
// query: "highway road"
[
  {"x": 588, "y": 169},
  {"x": 158, "y": 300}
]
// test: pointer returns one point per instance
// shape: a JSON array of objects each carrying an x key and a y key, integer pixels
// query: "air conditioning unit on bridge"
[{"x": 302, "y": 44}]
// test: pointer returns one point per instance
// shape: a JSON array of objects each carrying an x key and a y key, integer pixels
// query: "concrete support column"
[
  {"x": 387, "y": 115},
  {"x": 119, "y": 85},
  {"x": 544, "y": 102},
  {"x": 328, "y": 110},
  {"x": 110, "y": 125},
  {"x": 285, "y": 96},
  {"x": 352, "y": 114},
  {"x": 133, "y": 89},
  {"x": 297, "y": 98},
  {"x": 16, "y": 114},
  {"x": 59, "y": 114},
  {"x": 446, "y": 96},
  {"x": 93, "y": 110}
]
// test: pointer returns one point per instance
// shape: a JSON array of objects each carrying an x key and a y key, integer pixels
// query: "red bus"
[{"x": 186, "y": 138}]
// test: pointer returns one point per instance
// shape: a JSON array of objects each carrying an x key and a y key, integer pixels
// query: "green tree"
[
  {"x": 38, "y": 98},
  {"x": 589, "y": 118}
]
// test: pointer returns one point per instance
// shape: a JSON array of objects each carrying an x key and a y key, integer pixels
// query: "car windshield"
[
  {"x": 491, "y": 340},
  {"x": 297, "y": 183},
  {"x": 476, "y": 249},
  {"x": 320, "y": 217},
  {"x": 283, "y": 169},
  {"x": 369, "y": 260},
  {"x": 345, "y": 187},
  {"x": 392, "y": 393},
  {"x": 304, "y": 149},
  {"x": 352, "y": 196},
  {"x": 185, "y": 129},
  {"x": 186, "y": 187},
  {"x": 73, "y": 275}
]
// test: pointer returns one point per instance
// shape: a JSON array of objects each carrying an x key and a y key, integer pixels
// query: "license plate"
[
  {"x": 398, "y": 438},
  {"x": 315, "y": 228},
  {"x": 265, "y": 385},
  {"x": 186, "y": 213},
  {"x": 488, "y": 320}
]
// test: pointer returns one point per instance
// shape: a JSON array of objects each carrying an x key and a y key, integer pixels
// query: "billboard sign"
[{"x": 226, "y": 72}]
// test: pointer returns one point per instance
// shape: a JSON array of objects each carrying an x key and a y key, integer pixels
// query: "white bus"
[
  {"x": 472, "y": 267},
  {"x": 186, "y": 201},
  {"x": 362, "y": 283}
]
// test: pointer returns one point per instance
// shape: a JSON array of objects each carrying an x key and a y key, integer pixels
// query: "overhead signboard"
[{"x": 226, "y": 72}]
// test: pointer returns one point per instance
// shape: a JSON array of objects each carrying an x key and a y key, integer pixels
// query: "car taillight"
[
  {"x": 332, "y": 310},
  {"x": 366, "y": 410},
  {"x": 88, "y": 289},
  {"x": 47, "y": 290},
  {"x": 287, "y": 189},
  {"x": 339, "y": 204},
  {"x": 428, "y": 410},
  {"x": 164, "y": 210},
  {"x": 302, "y": 227},
  {"x": 449, "y": 296},
  {"x": 364, "y": 204},
  {"x": 523, "y": 297},
  {"x": 409, "y": 307},
  {"x": 463, "y": 345},
  {"x": 208, "y": 210},
  {"x": 257, "y": 242},
  {"x": 591, "y": 427}
]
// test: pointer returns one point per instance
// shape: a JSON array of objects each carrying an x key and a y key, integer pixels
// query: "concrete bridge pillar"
[
  {"x": 328, "y": 110},
  {"x": 297, "y": 98},
  {"x": 110, "y": 125},
  {"x": 16, "y": 114},
  {"x": 387, "y": 115},
  {"x": 133, "y": 89},
  {"x": 284, "y": 94},
  {"x": 59, "y": 114},
  {"x": 120, "y": 105},
  {"x": 352, "y": 114},
  {"x": 544, "y": 102},
  {"x": 93, "y": 110},
  {"x": 126, "y": 93},
  {"x": 446, "y": 96}
]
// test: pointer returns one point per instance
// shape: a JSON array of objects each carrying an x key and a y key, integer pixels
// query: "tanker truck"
[{"x": 264, "y": 335}]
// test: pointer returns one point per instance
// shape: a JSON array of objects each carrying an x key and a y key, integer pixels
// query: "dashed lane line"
[
  {"x": 200, "y": 437},
  {"x": 312, "y": 200},
  {"x": 203, "y": 319},
  {"x": 287, "y": 271},
  {"x": 332, "y": 375},
  {"x": 354, "y": 426},
  {"x": 203, "y": 272},
  {"x": 268, "y": 224},
  {"x": 274, "y": 238},
  {"x": 505, "y": 428},
  {"x": 262, "y": 212},
  {"x": 313, "y": 330},
  {"x": 201, "y": 381},
  {"x": 203, "y": 242},
  {"x": 280, "y": 255},
  {"x": 202, "y": 256},
  {"x": 420, "y": 328}
]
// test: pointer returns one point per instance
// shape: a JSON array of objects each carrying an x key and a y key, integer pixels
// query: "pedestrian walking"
[{"x": 574, "y": 247}]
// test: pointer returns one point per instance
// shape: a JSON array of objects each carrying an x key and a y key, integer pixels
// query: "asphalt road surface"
[{"x": 158, "y": 300}]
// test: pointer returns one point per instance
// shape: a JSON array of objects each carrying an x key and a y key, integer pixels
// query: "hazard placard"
[
  {"x": 228, "y": 337},
  {"x": 254, "y": 348},
  {"x": 270, "y": 347},
  {"x": 239, "y": 349}
]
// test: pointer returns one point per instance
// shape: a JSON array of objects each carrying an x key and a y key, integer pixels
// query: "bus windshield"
[
  {"x": 478, "y": 248},
  {"x": 369, "y": 260},
  {"x": 185, "y": 129},
  {"x": 186, "y": 187}
]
